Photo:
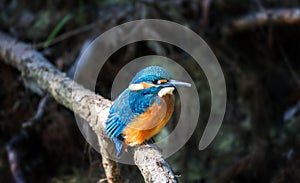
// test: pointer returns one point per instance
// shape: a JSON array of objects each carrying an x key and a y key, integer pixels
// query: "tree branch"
[
  {"x": 85, "y": 103},
  {"x": 262, "y": 18}
]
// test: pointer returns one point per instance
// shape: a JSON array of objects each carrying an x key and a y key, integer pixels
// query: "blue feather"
[
  {"x": 120, "y": 115},
  {"x": 119, "y": 146}
]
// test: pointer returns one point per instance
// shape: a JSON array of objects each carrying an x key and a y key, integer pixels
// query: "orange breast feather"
[{"x": 150, "y": 123}]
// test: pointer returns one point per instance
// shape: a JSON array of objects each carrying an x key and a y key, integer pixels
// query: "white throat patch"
[{"x": 166, "y": 90}]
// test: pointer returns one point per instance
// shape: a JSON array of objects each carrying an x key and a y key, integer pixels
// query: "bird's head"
[{"x": 155, "y": 79}]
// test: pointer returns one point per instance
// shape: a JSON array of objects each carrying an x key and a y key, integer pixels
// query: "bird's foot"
[{"x": 151, "y": 142}]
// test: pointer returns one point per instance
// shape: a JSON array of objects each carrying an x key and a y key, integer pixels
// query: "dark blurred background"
[{"x": 257, "y": 43}]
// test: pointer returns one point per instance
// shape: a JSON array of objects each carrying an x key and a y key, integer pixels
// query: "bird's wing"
[
  {"x": 120, "y": 115},
  {"x": 151, "y": 118}
]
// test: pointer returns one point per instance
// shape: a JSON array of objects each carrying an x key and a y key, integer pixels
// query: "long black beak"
[{"x": 179, "y": 83}]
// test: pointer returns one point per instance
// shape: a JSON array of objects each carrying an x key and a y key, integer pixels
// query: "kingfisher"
[{"x": 143, "y": 108}]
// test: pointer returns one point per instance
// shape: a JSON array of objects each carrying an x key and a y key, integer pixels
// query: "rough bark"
[
  {"x": 85, "y": 103},
  {"x": 153, "y": 166},
  {"x": 111, "y": 170}
]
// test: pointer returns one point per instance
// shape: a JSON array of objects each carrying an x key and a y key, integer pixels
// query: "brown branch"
[
  {"x": 111, "y": 170},
  {"x": 263, "y": 18},
  {"x": 85, "y": 103}
]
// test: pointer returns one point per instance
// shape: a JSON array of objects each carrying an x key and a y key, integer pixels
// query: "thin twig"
[
  {"x": 67, "y": 35},
  {"x": 39, "y": 113},
  {"x": 287, "y": 62},
  {"x": 110, "y": 17}
]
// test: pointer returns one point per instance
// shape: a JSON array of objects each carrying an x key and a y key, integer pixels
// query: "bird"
[{"x": 143, "y": 108}]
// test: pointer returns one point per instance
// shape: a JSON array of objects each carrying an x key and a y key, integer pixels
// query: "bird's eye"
[{"x": 156, "y": 81}]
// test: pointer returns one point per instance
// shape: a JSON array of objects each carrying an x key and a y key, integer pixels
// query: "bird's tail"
[{"x": 119, "y": 145}]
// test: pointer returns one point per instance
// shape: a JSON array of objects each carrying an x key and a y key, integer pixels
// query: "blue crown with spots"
[{"x": 151, "y": 73}]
